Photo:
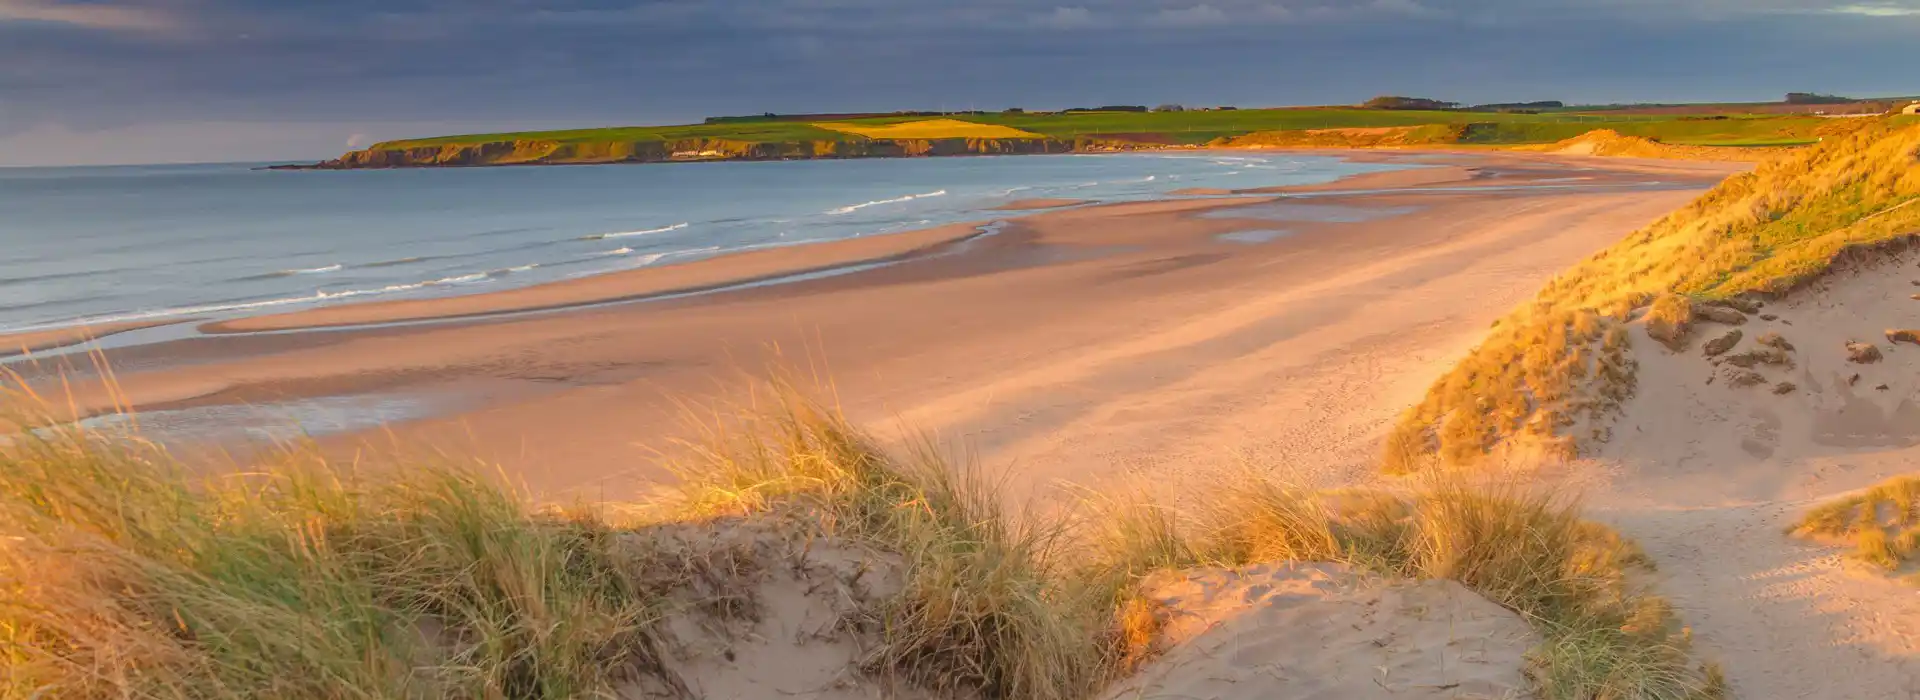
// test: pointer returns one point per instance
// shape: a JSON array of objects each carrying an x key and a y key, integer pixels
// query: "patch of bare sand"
[
  {"x": 1321, "y": 631},
  {"x": 1708, "y": 475},
  {"x": 769, "y": 617}
]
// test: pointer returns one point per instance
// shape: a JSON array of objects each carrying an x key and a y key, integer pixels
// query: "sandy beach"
[{"x": 1069, "y": 345}]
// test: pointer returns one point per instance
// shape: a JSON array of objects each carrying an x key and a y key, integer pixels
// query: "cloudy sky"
[{"x": 206, "y": 80}]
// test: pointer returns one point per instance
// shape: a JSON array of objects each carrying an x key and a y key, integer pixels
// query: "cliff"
[{"x": 545, "y": 152}]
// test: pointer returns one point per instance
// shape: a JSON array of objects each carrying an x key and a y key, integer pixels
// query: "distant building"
[{"x": 1911, "y": 109}]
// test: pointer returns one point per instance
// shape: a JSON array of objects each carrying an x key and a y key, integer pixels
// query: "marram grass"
[{"x": 123, "y": 575}]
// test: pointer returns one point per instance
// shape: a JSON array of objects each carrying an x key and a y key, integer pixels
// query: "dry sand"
[
  {"x": 794, "y": 637},
  {"x": 1321, "y": 632}
]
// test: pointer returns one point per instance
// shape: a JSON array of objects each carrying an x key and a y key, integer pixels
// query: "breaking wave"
[
  {"x": 624, "y": 234},
  {"x": 857, "y": 207}
]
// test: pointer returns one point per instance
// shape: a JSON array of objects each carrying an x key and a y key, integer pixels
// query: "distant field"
[
  {"x": 930, "y": 129},
  {"x": 1691, "y": 127}
]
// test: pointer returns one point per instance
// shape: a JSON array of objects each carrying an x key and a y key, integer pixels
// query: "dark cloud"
[{"x": 318, "y": 73}]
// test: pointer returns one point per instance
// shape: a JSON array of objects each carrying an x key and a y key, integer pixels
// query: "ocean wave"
[
  {"x": 624, "y": 234},
  {"x": 503, "y": 272},
  {"x": 5, "y": 281},
  {"x": 612, "y": 253},
  {"x": 398, "y": 262},
  {"x": 908, "y": 198},
  {"x": 689, "y": 251}
]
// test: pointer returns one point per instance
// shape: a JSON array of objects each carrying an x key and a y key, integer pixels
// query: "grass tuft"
[
  {"x": 990, "y": 606},
  {"x": 1882, "y": 525}
]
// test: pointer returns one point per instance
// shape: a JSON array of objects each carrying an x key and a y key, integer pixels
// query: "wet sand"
[{"x": 1071, "y": 345}]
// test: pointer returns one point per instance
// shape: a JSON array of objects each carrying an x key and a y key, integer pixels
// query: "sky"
[{"x": 126, "y": 81}]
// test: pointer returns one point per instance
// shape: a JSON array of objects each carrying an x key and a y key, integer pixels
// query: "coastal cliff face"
[{"x": 539, "y": 152}]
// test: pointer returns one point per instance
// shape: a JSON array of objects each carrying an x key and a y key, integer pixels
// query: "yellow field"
[{"x": 931, "y": 129}]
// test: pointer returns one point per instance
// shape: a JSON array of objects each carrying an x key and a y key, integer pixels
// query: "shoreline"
[
  {"x": 732, "y": 269},
  {"x": 729, "y": 269},
  {"x": 753, "y": 265}
]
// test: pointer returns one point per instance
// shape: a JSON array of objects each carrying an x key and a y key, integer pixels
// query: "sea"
[{"x": 99, "y": 245}]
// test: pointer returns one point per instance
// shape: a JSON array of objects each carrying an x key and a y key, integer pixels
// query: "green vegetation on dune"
[{"x": 1562, "y": 358}]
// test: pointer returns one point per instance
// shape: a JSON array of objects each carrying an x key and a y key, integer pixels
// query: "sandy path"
[
  {"x": 1708, "y": 477},
  {"x": 1785, "y": 619}
]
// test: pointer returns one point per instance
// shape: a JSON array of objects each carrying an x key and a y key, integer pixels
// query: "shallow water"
[
  {"x": 271, "y": 423},
  {"x": 106, "y": 244},
  {"x": 1253, "y": 236}
]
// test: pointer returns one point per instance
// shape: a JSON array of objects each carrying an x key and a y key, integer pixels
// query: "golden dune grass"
[
  {"x": 931, "y": 129},
  {"x": 1560, "y": 361},
  {"x": 126, "y": 576}
]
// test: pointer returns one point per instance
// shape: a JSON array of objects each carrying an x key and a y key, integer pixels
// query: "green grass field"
[{"x": 1197, "y": 127}]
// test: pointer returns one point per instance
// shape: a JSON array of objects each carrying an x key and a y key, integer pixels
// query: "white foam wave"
[
  {"x": 625, "y": 234},
  {"x": 878, "y": 202},
  {"x": 502, "y": 272},
  {"x": 613, "y": 253},
  {"x": 312, "y": 270},
  {"x": 689, "y": 251}
]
